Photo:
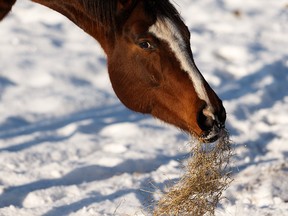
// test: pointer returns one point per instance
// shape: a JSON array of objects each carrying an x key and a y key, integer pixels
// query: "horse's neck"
[{"x": 75, "y": 11}]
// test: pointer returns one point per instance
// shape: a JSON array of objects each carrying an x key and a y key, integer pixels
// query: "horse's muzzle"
[{"x": 213, "y": 134}]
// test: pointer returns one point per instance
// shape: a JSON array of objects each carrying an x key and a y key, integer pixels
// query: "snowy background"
[{"x": 68, "y": 147}]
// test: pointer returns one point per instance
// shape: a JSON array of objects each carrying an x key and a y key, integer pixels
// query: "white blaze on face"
[{"x": 165, "y": 30}]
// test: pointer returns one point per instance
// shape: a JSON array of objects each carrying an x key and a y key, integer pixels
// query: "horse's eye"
[{"x": 146, "y": 45}]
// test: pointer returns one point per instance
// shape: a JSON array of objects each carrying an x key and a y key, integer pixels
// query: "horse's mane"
[{"x": 104, "y": 11}]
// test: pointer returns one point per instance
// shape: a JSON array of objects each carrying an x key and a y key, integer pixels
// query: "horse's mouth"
[
  {"x": 212, "y": 135},
  {"x": 210, "y": 139}
]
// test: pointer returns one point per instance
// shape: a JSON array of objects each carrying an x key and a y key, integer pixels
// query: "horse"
[{"x": 150, "y": 61}]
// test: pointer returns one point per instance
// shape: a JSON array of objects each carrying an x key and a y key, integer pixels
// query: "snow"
[{"x": 69, "y": 147}]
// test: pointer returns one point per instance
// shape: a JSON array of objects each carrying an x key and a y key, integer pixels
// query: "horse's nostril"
[
  {"x": 209, "y": 122},
  {"x": 206, "y": 119},
  {"x": 212, "y": 123}
]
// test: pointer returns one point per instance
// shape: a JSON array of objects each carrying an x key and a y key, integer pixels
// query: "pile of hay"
[{"x": 206, "y": 176}]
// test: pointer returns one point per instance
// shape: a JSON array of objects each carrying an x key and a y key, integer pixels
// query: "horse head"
[{"x": 152, "y": 70}]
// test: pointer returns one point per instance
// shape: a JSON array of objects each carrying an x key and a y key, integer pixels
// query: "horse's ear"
[{"x": 124, "y": 5}]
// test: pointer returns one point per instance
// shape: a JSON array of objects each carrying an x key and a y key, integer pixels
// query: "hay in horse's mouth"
[
  {"x": 209, "y": 138},
  {"x": 214, "y": 134},
  {"x": 200, "y": 189}
]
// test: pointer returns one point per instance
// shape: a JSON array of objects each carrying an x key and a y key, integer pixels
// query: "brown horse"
[{"x": 150, "y": 61}]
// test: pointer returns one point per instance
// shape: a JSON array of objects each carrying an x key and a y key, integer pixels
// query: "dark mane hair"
[
  {"x": 166, "y": 9},
  {"x": 104, "y": 11}
]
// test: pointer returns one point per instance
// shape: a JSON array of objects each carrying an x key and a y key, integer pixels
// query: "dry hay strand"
[{"x": 200, "y": 189}]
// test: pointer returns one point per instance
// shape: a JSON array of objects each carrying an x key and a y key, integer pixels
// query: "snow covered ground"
[{"x": 68, "y": 147}]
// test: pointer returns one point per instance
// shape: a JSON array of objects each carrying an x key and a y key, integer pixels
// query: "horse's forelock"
[
  {"x": 104, "y": 11},
  {"x": 166, "y": 10}
]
